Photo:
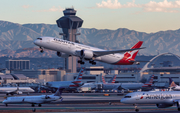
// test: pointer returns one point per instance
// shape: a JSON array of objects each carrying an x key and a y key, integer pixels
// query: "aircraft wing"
[
  {"x": 121, "y": 87},
  {"x": 116, "y": 88},
  {"x": 12, "y": 91},
  {"x": 101, "y": 53},
  {"x": 137, "y": 61},
  {"x": 176, "y": 100}
]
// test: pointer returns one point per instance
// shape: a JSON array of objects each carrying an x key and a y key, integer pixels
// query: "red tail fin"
[
  {"x": 103, "y": 80},
  {"x": 149, "y": 82},
  {"x": 114, "y": 79},
  {"x": 132, "y": 54}
]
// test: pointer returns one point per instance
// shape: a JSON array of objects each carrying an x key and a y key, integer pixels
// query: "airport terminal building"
[{"x": 162, "y": 67}]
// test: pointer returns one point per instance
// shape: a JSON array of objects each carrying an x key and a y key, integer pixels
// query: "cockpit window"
[
  {"x": 127, "y": 97},
  {"x": 39, "y": 38}
]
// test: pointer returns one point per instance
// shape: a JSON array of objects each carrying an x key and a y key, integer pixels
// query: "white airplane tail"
[{"x": 59, "y": 91}]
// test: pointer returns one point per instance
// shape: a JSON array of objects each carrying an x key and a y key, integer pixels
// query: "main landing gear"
[
  {"x": 178, "y": 109},
  {"x": 80, "y": 61},
  {"x": 41, "y": 49},
  {"x": 136, "y": 108},
  {"x": 34, "y": 110},
  {"x": 92, "y": 62},
  {"x": 32, "y": 105}
]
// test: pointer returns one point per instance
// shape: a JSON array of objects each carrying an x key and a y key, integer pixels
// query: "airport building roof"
[
  {"x": 19, "y": 76},
  {"x": 163, "y": 62},
  {"x": 3, "y": 77}
]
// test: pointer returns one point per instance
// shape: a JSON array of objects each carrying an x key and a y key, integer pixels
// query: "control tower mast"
[{"x": 69, "y": 24}]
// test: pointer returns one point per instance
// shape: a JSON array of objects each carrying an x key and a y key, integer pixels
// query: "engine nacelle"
[
  {"x": 19, "y": 93},
  {"x": 137, "y": 63},
  {"x": 178, "y": 104},
  {"x": 45, "y": 97},
  {"x": 63, "y": 55},
  {"x": 164, "y": 105},
  {"x": 99, "y": 86},
  {"x": 86, "y": 54}
]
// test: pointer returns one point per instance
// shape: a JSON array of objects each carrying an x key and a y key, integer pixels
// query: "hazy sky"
[{"x": 140, "y": 15}]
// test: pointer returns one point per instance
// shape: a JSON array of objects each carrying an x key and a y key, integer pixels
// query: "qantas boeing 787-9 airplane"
[{"x": 66, "y": 48}]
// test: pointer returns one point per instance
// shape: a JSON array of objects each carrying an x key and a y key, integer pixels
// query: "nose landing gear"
[
  {"x": 41, "y": 49},
  {"x": 136, "y": 108}
]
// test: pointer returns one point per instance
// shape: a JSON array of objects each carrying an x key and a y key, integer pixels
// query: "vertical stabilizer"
[
  {"x": 103, "y": 79},
  {"x": 113, "y": 79},
  {"x": 129, "y": 56},
  {"x": 149, "y": 82},
  {"x": 79, "y": 77},
  {"x": 77, "y": 82},
  {"x": 59, "y": 91},
  {"x": 171, "y": 83},
  {"x": 132, "y": 54}
]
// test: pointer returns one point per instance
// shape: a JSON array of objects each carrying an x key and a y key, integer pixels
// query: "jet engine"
[
  {"x": 45, "y": 97},
  {"x": 86, "y": 54},
  {"x": 63, "y": 55},
  {"x": 99, "y": 86},
  {"x": 19, "y": 92},
  {"x": 137, "y": 63},
  {"x": 164, "y": 105},
  {"x": 178, "y": 104}
]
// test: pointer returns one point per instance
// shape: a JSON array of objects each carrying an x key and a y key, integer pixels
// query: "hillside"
[{"x": 15, "y": 37}]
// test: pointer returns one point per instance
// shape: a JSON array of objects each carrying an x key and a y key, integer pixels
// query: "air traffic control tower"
[{"x": 69, "y": 24}]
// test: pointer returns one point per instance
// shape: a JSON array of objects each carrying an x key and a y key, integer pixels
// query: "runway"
[{"x": 86, "y": 103}]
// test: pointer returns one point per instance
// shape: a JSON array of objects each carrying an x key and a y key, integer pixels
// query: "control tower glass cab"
[{"x": 69, "y": 24}]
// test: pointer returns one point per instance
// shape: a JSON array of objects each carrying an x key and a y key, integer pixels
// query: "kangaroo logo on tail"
[{"x": 130, "y": 55}]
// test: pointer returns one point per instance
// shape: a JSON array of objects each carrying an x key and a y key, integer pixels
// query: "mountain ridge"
[{"x": 15, "y": 37}]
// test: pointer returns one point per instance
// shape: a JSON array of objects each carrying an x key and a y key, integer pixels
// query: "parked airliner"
[
  {"x": 66, "y": 48},
  {"x": 35, "y": 99},
  {"x": 162, "y": 99},
  {"x": 15, "y": 90},
  {"x": 69, "y": 85},
  {"x": 173, "y": 85},
  {"x": 130, "y": 86},
  {"x": 121, "y": 86},
  {"x": 112, "y": 80}
]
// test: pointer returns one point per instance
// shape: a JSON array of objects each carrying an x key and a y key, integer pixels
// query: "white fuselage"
[
  {"x": 12, "y": 89},
  {"x": 177, "y": 88},
  {"x": 31, "y": 99},
  {"x": 115, "y": 86},
  {"x": 71, "y": 48},
  {"x": 152, "y": 97},
  {"x": 65, "y": 84}
]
